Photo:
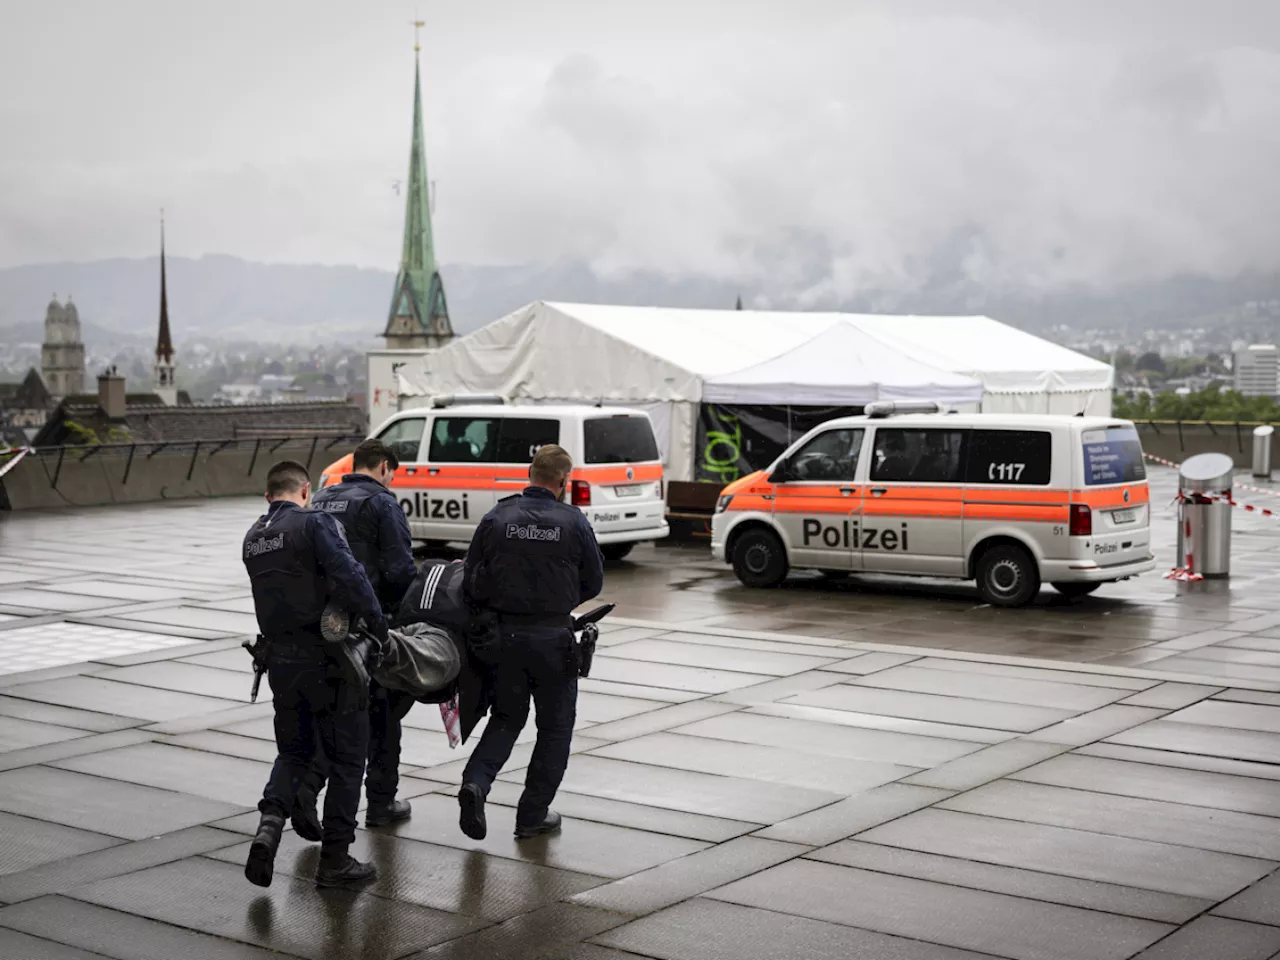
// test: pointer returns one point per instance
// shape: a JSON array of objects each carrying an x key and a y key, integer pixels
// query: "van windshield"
[
  {"x": 621, "y": 439},
  {"x": 1113, "y": 455}
]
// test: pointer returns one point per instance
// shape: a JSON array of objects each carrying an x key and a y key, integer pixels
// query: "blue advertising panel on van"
[{"x": 1113, "y": 455}]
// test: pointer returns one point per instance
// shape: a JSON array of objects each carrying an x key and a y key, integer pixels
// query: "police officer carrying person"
[
  {"x": 299, "y": 563},
  {"x": 379, "y": 536},
  {"x": 533, "y": 559}
]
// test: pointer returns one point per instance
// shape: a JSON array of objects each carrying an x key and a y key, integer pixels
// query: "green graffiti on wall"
[{"x": 723, "y": 451}]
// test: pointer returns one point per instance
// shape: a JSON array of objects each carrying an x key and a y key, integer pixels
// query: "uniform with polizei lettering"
[{"x": 533, "y": 560}]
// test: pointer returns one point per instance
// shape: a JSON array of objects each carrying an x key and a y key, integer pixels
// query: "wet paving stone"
[
  {"x": 230, "y": 780},
  {"x": 712, "y": 930},
  {"x": 120, "y": 858},
  {"x": 291, "y": 916},
  {"x": 853, "y": 814},
  {"x": 1217, "y": 938},
  {"x": 1235, "y": 716},
  {"x": 953, "y": 916},
  {"x": 74, "y": 747},
  {"x": 188, "y": 678},
  {"x": 1095, "y": 725},
  {"x": 827, "y": 739},
  {"x": 221, "y": 620},
  {"x": 443, "y": 878},
  {"x": 535, "y": 935},
  {"x": 661, "y": 717},
  {"x": 1005, "y": 690},
  {"x": 29, "y": 843},
  {"x": 677, "y": 880},
  {"x": 585, "y": 847},
  {"x": 1211, "y": 741},
  {"x": 873, "y": 721},
  {"x": 1073, "y": 852},
  {"x": 1259, "y": 904},
  {"x": 119, "y": 699},
  {"x": 24, "y": 946},
  {"x": 1181, "y": 761},
  {"x": 693, "y": 654},
  {"x": 985, "y": 765},
  {"x": 752, "y": 762},
  {"x": 16, "y": 734},
  {"x": 1200, "y": 789},
  {"x": 1018, "y": 672},
  {"x": 751, "y": 801},
  {"x": 926, "y": 706},
  {"x": 689, "y": 679},
  {"x": 772, "y": 691},
  {"x": 110, "y": 807},
  {"x": 1015, "y": 881},
  {"x": 1224, "y": 831},
  {"x": 1171, "y": 696}
]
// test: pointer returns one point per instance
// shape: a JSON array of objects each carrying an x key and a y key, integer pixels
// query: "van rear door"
[
  {"x": 618, "y": 484},
  {"x": 1115, "y": 491}
]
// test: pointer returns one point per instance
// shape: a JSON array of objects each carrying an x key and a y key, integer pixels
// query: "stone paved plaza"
[{"x": 869, "y": 769}]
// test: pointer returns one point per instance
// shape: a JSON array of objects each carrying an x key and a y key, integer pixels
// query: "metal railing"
[
  {"x": 129, "y": 450},
  {"x": 1217, "y": 428}
]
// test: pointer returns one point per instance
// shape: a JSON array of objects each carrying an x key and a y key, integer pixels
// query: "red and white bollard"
[{"x": 1187, "y": 572}]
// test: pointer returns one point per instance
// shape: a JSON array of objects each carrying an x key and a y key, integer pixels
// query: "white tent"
[{"x": 668, "y": 361}]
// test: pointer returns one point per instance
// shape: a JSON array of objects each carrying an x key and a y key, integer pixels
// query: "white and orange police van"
[
  {"x": 459, "y": 457},
  {"x": 1010, "y": 501}
]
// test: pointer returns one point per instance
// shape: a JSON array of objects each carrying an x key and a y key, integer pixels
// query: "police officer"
[
  {"x": 299, "y": 562},
  {"x": 533, "y": 559},
  {"x": 379, "y": 536}
]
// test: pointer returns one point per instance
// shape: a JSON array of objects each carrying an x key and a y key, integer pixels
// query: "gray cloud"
[{"x": 818, "y": 148}]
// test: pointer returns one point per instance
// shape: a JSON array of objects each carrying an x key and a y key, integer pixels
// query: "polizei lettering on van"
[
  {"x": 425, "y": 507},
  {"x": 531, "y": 531},
  {"x": 851, "y": 535}
]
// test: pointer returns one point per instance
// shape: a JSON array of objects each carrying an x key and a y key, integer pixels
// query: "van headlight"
[{"x": 722, "y": 504}]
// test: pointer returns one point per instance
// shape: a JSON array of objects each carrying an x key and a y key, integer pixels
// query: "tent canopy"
[{"x": 841, "y": 366}]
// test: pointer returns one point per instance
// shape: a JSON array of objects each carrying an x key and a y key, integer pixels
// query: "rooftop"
[{"x": 871, "y": 769}]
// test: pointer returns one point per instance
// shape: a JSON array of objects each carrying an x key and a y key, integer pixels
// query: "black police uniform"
[
  {"x": 298, "y": 562},
  {"x": 379, "y": 536},
  {"x": 533, "y": 559}
]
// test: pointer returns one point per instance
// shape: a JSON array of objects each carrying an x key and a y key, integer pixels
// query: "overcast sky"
[{"x": 1076, "y": 140}]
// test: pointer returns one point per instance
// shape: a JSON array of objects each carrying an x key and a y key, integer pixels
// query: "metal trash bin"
[
  {"x": 1204, "y": 514},
  {"x": 1262, "y": 451}
]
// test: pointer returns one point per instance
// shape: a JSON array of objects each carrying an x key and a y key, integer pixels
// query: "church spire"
[
  {"x": 165, "y": 385},
  {"x": 419, "y": 315}
]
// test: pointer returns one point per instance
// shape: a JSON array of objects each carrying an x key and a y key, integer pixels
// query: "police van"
[
  {"x": 1009, "y": 501},
  {"x": 459, "y": 457}
]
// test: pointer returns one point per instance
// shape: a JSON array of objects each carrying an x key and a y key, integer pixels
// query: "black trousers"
[
  {"x": 306, "y": 718},
  {"x": 387, "y": 708},
  {"x": 537, "y": 663}
]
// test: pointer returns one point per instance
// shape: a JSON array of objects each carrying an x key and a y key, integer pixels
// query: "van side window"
[
  {"x": 463, "y": 440},
  {"x": 520, "y": 437},
  {"x": 404, "y": 437},
  {"x": 831, "y": 456},
  {"x": 918, "y": 455},
  {"x": 620, "y": 438},
  {"x": 1024, "y": 457}
]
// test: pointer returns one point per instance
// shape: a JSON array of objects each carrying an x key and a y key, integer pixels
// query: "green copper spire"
[{"x": 419, "y": 313}]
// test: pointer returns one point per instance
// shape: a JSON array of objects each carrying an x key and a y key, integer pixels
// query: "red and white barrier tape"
[
  {"x": 1187, "y": 572},
  {"x": 1160, "y": 460},
  {"x": 1268, "y": 491}
]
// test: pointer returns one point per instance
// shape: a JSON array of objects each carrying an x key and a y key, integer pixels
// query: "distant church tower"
[
  {"x": 62, "y": 357},
  {"x": 419, "y": 316},
  {"x": 165, "y": 386}
]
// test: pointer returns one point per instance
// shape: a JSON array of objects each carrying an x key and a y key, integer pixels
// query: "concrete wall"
[
  {"x": 100, "y": 479},
  {"x": 1176, "y": 442}
]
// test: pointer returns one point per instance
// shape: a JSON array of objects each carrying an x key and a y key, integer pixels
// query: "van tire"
[
  {"x": 759, "y": 559},
  {"x": 1008, "y": 576},
  {"x": 1076, "y": 590},
  {"x": 615, "y": 552}
]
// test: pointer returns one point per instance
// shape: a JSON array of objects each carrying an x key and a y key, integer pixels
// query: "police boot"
[
  {"x": 549, "y": 824},
  {"x": 260, "y": 866},
  {"x": 382, "y": 814},
  {"x": 338, "y": 868},
  {"x": 305, "y": 819},
  {"x": 471, "y": 811}
]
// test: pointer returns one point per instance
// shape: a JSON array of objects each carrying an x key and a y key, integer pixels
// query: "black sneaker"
[
  {"x": 305, "y": 820},
  {"x": 549, "y": 824},
  {"x": 382, "y": 814},
  {"x": 345, "y": 873},
  {"x": 471, "y": 813},
  {"x": 260, "y": 866}
]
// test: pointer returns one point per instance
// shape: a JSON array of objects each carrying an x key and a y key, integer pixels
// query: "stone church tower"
[
  {"x": 419, "y": 315},
  {"x": 62, "y": 357},
  {"x": 165, "y": 385}
]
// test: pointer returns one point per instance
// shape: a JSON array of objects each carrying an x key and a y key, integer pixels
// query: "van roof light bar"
[
  {"x": 460, "y": 399},
  {"x": 887, "y": 408}
]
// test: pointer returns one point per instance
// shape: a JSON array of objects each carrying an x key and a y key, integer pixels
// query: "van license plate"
[
  {"x": 632, "y": 491},
  {"x": 1124, "y": 516}
]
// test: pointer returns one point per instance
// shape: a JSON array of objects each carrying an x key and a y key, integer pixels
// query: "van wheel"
[
  {"x": 759, "y": 559},
  {"x": 1074, "y": 590},
  {"x": 614, "y": 552},
  {"x": 1008, "y": 576}
]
